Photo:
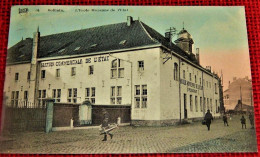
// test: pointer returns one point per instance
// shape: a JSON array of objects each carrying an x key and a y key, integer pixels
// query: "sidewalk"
[{"x": 130, "y": 139}]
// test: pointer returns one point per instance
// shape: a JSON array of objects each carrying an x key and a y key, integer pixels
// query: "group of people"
[
  {"x": 106, "y": 128},
  {"x": 208, "y": 118}
]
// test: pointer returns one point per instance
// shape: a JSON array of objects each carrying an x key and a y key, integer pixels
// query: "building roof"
[{"x": 97, "y": 39}]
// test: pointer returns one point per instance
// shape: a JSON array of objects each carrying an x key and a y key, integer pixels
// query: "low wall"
[
  {"x": 63, "y": 113},
  {"x": 114, "y": 111}
]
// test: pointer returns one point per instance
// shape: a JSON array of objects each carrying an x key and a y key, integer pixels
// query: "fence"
[{"x": 30, "y": 117}]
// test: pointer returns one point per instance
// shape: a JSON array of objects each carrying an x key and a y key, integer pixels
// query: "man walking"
[
  {"x": 225, "y": 119},
  {"x": 208, "y": 117},
  {"x": 105, "y": 125}
]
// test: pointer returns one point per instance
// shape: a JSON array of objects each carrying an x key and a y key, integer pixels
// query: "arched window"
[
  {"x": 175, "y": 71},
  {"x": 117, "y": 69}
]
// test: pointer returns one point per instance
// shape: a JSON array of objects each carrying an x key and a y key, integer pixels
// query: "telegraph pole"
[
  {"x": 171, "y": 32},
  {"x": 241, "y": 99}
]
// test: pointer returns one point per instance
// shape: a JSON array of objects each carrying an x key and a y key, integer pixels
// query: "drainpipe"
[
  {"x": 180, "y": 87},
  {"x": 203, "y": 95}
]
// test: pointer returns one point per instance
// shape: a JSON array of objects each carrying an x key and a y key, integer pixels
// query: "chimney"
[
  {"x": 167, "y": 36},
  {"x": 36, "y": 38},
  {"x": 129, "y": 20},
  {"x": 208, "y": 68},
  {"x": 198, "y": 55},
  {"x": 33, "y": 69}
]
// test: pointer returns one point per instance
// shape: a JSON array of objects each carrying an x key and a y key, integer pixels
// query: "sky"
[{"x": 219, "y": 32}]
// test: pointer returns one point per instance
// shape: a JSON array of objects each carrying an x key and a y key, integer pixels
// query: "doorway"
[{"x": 185, "y": 107}]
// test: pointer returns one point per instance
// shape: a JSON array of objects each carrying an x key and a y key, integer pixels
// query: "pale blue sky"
[{"x": 218, "y": 31}]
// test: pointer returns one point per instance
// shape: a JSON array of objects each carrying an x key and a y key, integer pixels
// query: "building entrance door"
[{"x": 185, "y": 107}]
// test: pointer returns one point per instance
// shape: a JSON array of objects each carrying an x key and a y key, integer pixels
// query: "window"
[
  {"x": 191, "y": 105},
  {"x": 217, "y": 107},
  {"x": 91, "y": 69},
  {"x": 14, "y": 98},
  {"x": 90, "y": 94},
  {"x": 201, "y": 104},
  {"x": 43, "y": 74},
  {"x": 140, "y": 65},
  {"x": 117, "y": 68},
  {"x": 87, "y": 92},
  {"x": 122, "y": 42},
  {"x": 144, "y": 87},
  {"x": 207, "y": 103},
  {"x": 73, "y": 71},
  {"x": 56, "y": 94},
  {"x": 211, "y": 105},
  {"x": 141, "y": 97},
  {"x": 77, "y": 48},
  {"x": 216, "y": 90},
  {"x": 25, "y": 98},
  {"x": 207, "y": 83},
  {"x": 137, "y": 90},
  {"x": 195, "y": 79},
  {"x": 144, "y": 102},
  {"x": 183, "y": 74},
  {"x": 28, "y": 75},
  {"x": 72, "y": 95},
  {"x": 175, "y": 72},
  {"x": 16, "y": 76},
  {"x": 93, "y": 91},
  {"x": 190, "y": 76},
  {"x": 137, "y": 102},
  {"x": 119, "y": 95},
  {"x": 204, "y": 103},
  {"x": 116, "y": 95},
  {"x": 200, "y": 81},
  {"x": 41, "y": 96},
  {"x": 196, "y": 103},
  {"x": 57, "y": 72}
]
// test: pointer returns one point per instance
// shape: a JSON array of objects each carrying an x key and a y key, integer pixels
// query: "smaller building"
[{"x": 239, "y": 91}]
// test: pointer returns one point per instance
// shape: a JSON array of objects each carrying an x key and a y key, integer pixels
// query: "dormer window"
[
  {"x": 93, "y": 46},
  {"x": 21, "y": 56},
  {"x": 123, "y": 42},
  {"x": 61, "y": 50},
  {"x": 77, "y": 48}
]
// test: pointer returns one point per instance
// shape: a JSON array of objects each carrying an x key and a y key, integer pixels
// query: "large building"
[{"x": 126, "y": 63}]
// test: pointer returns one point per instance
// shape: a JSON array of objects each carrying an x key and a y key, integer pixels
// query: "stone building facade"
[{"x": 128, "y": 63}]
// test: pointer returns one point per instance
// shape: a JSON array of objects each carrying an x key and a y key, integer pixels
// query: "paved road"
[{"x": 185, "y": 138}]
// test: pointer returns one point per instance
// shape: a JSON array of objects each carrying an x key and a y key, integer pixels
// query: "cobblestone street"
[{"x": 184, "y": 138}]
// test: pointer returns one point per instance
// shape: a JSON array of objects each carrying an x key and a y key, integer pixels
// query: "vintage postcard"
[{"x": 125, "y": 79}]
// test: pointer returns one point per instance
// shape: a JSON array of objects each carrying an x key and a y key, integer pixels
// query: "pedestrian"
[
  {"x": 225, "y": 120},
  {"x": 243, "y": 121},
  {"x": 251, "y": 118},
  {"x": 208, "y": 117},
  {"x": 105, "y": 125}
]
